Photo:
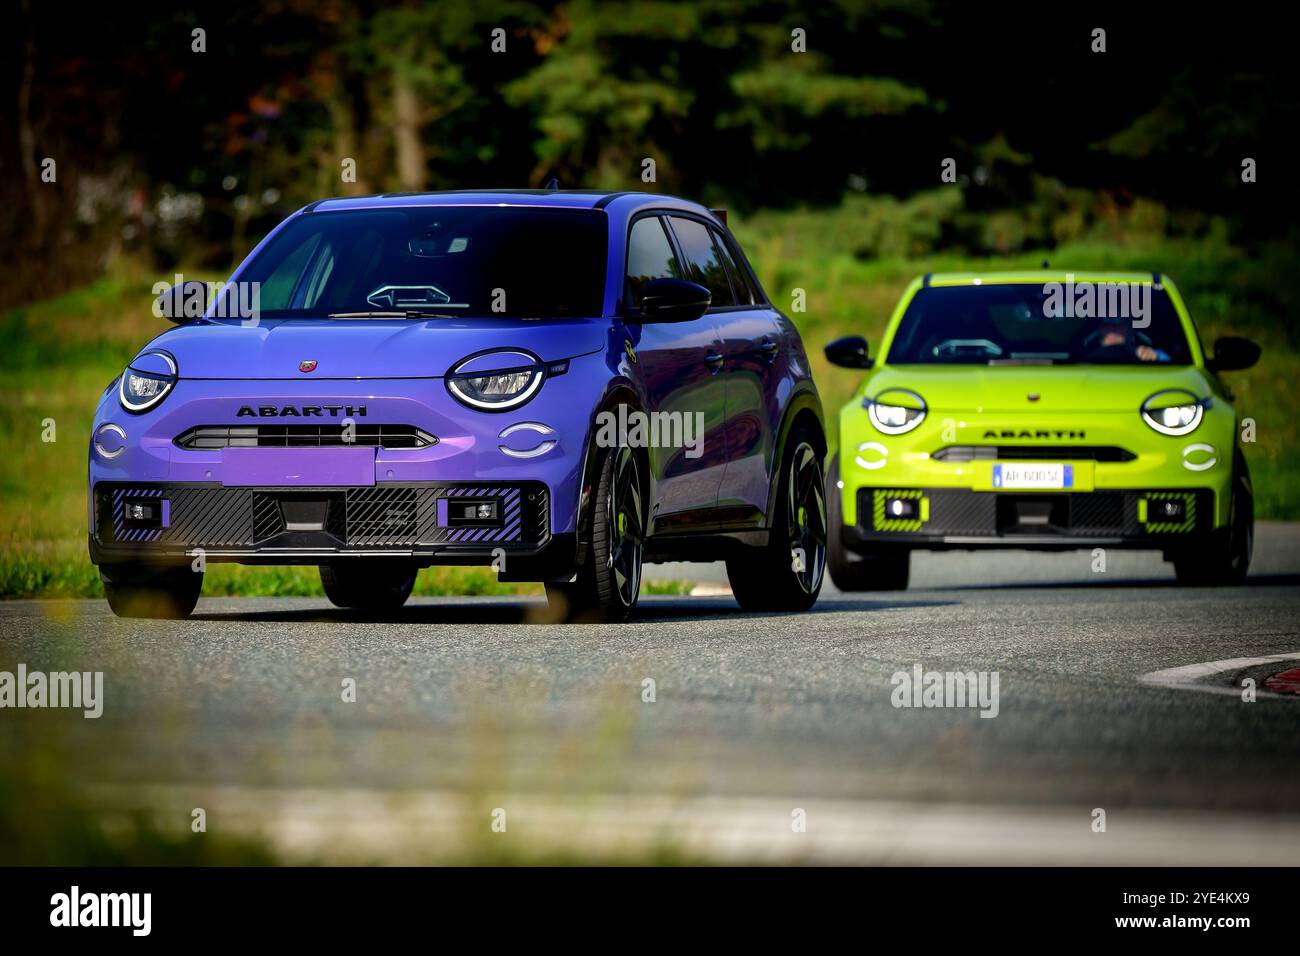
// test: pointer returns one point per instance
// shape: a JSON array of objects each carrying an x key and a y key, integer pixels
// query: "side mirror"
[
  {"x": 1232, "y": 354},
  {"x": 673, "y": 300},
  {"x": 849, "y": 352},
  {"x": 183, "y": 302}
]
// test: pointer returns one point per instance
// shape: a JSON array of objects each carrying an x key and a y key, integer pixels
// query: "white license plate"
[{"x": 1033, "y": 476}]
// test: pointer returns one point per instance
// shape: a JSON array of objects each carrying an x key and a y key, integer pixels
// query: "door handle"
[
  {"x": 769, "y": 348},
  {"x": 713, "y": 360}
]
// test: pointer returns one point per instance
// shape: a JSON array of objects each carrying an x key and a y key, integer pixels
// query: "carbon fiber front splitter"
[
  {"x": 959, "y": 519},
  {"x": 430, "y": 522}
]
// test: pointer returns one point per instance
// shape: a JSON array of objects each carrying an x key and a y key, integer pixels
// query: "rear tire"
[
  {"x": 363, "y": 584},
  {"x": 609, "y": 581},
  {"x": 145, "y": 592},
  {"x": 883, "y": 569},
  {"x": 1224, "y": 559},
  {"x": 787, "y": 573}
]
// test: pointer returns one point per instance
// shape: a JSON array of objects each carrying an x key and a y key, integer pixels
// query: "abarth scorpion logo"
[{"x": 307, "y": 365}]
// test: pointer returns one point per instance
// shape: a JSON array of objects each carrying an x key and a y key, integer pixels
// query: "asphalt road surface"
[{"x": 769, "y": 736}]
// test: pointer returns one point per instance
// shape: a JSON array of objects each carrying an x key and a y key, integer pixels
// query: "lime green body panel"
[{"x": 1073, "y": 404}]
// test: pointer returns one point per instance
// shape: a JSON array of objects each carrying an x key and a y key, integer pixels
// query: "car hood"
[
  {"x": 1058, "y": 388},
  {"x": 367, "y": 348}
]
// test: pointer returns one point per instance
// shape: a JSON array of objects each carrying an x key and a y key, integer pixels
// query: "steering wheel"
[{"x": 1091, "y": 345}]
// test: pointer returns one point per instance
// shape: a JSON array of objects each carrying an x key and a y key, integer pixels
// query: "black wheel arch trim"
[
  {"x": 804, "y": 401},
  {"x": 620, "y": 393}
]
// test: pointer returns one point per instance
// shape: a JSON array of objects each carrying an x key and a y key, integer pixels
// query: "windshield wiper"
[{"x": 408, "y": 314}]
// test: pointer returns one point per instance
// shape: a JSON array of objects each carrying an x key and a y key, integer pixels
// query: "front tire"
[
  {"x": 609, "y": 581},
  {"x": 144, "y": 592},
  {"x": 786, "y": 574},
  {"x": 1224, "y": 559},
  {"x": 370, "y": 585},
  {"x": 884, "y": 569}
]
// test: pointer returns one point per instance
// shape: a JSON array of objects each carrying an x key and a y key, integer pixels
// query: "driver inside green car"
[{"x": 1115, "y": 334}]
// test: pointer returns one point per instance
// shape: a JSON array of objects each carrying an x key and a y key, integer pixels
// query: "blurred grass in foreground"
[
  {"x": 121, "y": 791},
  {"x": 46, "y": 821}
]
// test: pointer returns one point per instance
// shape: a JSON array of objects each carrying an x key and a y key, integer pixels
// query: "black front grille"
[
  {"x": 305, "y": 436},
  {"x": 959, "y": 453},
  {"x": 379, "y": 515},
  {"x": 1104, "y": 512}
]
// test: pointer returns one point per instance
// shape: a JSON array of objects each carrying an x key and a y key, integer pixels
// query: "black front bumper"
[
  {"x": 961, "y": 519},
  {"x": 291, "y": 525}
]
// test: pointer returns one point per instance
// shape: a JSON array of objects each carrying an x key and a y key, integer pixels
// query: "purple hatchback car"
[{"x": 559, "y": 385}]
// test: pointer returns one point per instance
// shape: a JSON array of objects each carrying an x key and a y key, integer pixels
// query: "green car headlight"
[
  {"x": 895, "y": 411},
  {"x": 1174, "y": 412}
]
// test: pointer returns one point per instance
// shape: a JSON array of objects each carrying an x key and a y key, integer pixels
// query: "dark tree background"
[{"x": 186, "y": 156}]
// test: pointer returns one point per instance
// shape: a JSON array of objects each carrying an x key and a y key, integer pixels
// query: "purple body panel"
[
  {"x": 302, "y": 467},
  {"x": 373, "y": 348},
  {"x": 391, "y": 373}
]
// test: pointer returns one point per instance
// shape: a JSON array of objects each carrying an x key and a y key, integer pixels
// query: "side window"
[
  {"x": 277, "y": 288},
  {"x": 702, "y": 258},
  {"x": 743, "y": 294},
  {"x": 649, "y": 256},
  {"x": 318, "y": 277}
]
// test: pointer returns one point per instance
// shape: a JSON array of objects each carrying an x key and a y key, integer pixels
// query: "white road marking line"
[{"x": 1188, "y": 676}]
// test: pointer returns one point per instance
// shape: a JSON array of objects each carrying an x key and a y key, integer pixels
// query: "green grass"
[{"x": 852, "y": 262}]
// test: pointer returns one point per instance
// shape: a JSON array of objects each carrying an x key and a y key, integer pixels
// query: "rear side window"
[
  {"x": 649, "y": 256},
  {"x": 743, "y": 272},
  {"x": 744, "y": 294},
  {"x": 703, "y": 259}
]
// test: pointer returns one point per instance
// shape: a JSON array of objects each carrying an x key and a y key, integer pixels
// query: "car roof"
[
  {"x": 1035, "y": 277},
  {"x": 554, "y": 198}
]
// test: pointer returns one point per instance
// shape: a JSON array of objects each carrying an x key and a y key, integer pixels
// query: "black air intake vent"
[
  {"x": 304, "y": 436},
  {"x": 1033, "y": 453}
]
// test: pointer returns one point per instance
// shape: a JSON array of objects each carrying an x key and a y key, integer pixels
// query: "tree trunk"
[
  {"x": 344, "y": 121},
  {"x": 27, "y": 142},
  {"x": 411, "y": 171}
]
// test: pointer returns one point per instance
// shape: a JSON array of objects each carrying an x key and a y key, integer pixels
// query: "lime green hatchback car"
[{"x": 1041, "y": 410}]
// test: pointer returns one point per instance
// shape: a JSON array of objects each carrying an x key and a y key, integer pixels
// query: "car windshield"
[
  {"x": 452, "y": 261},
  {"x": 1116, "y": 323}
]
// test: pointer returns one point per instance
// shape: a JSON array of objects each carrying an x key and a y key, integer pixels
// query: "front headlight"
[
  {"x": 895, "y": 411},
  {"x": 1174, "y": 412},
  {"x": 497, "y": 389},
  {"x": 147, "y": 381}
]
